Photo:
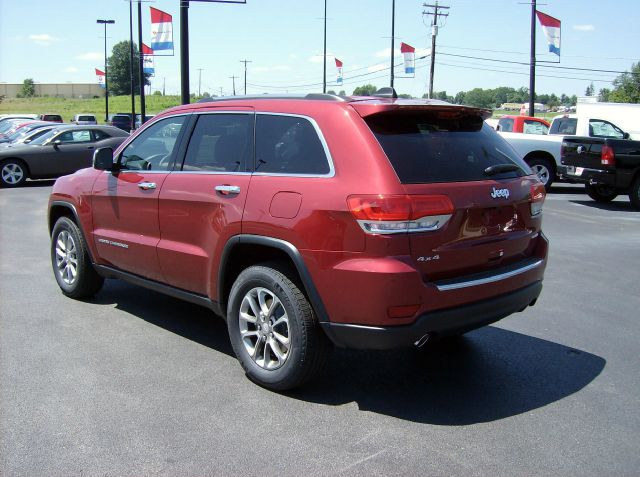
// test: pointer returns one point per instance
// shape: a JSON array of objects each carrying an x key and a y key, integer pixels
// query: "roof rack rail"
[{"x": 315, "y": 96}]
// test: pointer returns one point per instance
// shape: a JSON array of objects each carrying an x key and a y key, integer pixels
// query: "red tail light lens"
[
  {"x": 607, "y": 156},
  {"x": 538, "y": 193},
  {"x": 388, "y": 214}
]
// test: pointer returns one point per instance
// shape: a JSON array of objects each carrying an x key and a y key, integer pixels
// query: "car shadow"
[
  {"x": 489, "y": 374},
  {"x": 39, "y": 183},
  {"x": 616, "y": 206},
  {"x": 190, "y": 321},
  {"x": 566, "y": 189}
]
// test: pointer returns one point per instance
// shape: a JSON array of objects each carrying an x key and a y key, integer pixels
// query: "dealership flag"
[
  {"x": 551, "y": 28},
  {"x": 147, "y": 60},
  {"x": 161, "y": 30},
  {"x": 409, "y": 53},
  {"x": 100, "y": 76},
  {"x": 339, "y": 66}
]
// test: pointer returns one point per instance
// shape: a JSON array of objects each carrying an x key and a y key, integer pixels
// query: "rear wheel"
[
  {"x": 600, "y": 192},
  {"x": 273, "y": 330},
  {"x": 70, "y": 260},
  {"x": 544, "y": 170},
  {"x": 13, "y": 173},
  {"x": 634, "y": 193}
]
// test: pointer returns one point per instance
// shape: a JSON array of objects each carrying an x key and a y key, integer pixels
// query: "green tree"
[
  {"x": 459, "y": 98},
  {"x": 574, "y": 100},
  {"x": 627, "y": 86},
  {"x": 28, "y": 89},
  {"x": 119, "y": 70},
  {"x": 590, "y": 90},
  {"x": 157, "y": 93},
  {"x": 604, "y": 94},
  {"x": 342, "y": 93},
  {"x": 479, "y": 98},
  {"x": 331, "y": 92},
  {"x": 366, "y": 90}
]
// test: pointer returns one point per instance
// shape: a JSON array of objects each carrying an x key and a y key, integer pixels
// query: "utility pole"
[
  {"x": 106, "y": 72},
  {"x": 234, "y": 84},
  {"x": 434, "y": 33},
  {"x": 132, "y": 74},
  {"x": 199, "y": 80},
  {"x": 141, "y": 65},
  {"x": 393, "y": 30},
  {"x": 245, "y": 74},
  {"x": 164, "y": 83},
  {"x": 532, "y": 65},
  {"x": 324, "y": 71},
  {"x": 184, "y": 52},
  {"x": 221, "y": 91}
]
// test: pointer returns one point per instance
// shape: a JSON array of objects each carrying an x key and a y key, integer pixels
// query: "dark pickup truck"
[{"x": 607, "y": 167}]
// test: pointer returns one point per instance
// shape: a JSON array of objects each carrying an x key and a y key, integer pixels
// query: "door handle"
[
  {"x": 228, "y": 189},
  {"x": 89, "y": 147},
  {"x": 147, "y": 185}
]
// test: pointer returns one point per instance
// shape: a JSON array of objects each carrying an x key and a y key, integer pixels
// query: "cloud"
[
  {"x": 43, "y": 39},
  {"x": 386, "y": 53},
  {"x": 71, "y": 69},
  {"x": 90, "y": 56},
  {"x": 267, "y": 69},
  {"x": 320, "y": 58},
  {"x": 378, "y": 67},
  {"x": 583, "y": 27}
]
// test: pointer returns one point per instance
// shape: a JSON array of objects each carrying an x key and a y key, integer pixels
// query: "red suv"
[{"x": 370, "y": 223}]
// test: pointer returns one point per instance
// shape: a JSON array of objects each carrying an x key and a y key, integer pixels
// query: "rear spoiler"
[{"x": 450, "y": 111}]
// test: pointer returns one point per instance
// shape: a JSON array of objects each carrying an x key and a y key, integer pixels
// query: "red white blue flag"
[
  {"x": 100, "y": 76},
  {"x": 339, "y": 66},
  {"x": 161, "y": 30},
  {"x": 147, "y": 61},
  {"x": 409, "y": 53},
  {"x": 551, "y": 28}
]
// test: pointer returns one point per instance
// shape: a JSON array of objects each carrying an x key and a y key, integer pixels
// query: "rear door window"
[
  {"x": 425, "y": 148},
  {"x": 532, "y": 126},
  {"x": 289, "y": 145},
  {"x": 220, "y": 143}
]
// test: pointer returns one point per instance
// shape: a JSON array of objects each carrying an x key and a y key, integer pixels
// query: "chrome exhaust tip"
[{"x": 421, "y": 342}]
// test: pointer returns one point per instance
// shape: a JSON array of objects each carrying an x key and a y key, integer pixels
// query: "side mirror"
[
  {"x": 103, "y": 159},
  {"x": 625, "y": 136},
  {"x": 56, "y": 143}
]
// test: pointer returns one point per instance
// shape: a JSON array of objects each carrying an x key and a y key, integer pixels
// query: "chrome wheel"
[
  {"x": 542, "y": 172},
  {"x": 66, "y": 258},
  {"x": 12, "y": 173},
  {"x": 264, "y": 328}
]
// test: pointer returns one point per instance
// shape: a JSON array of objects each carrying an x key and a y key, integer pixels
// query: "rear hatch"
[{"x": 495, "y": 199}]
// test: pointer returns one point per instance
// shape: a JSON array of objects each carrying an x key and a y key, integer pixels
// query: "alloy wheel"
[
  {"x": 66, "y": 257},
  {"x": 12, "y": 173}
]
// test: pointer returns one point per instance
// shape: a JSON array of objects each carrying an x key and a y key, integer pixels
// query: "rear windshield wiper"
[{"x": 498, "y": 168}]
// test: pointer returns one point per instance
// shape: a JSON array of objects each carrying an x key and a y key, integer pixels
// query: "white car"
[{"x": 84, "y": 119}]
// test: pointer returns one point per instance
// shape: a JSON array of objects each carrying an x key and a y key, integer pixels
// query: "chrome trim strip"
[
  {"x": 361, "y": 327},
  {"x": 491, "y": 279}
]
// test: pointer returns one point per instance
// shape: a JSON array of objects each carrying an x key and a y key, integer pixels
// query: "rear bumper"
[
  {"x": 439, "y": 323},
  {"x": 583, "y": 175}
]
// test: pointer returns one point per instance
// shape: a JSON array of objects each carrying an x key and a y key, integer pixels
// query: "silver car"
[{"x": 84, "y": 119}]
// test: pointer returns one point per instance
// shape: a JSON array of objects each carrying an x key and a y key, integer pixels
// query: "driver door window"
[{"x": 154, "y": 148}]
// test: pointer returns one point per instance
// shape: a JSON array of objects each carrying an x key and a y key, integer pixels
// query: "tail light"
[
  {"x": 538, "y": 194},
  {"x": 607, "y": 156},
  {"x": 393, "y": 214}
]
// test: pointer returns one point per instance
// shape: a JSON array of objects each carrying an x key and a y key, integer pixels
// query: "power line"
[{"x": 434, "y": 33}]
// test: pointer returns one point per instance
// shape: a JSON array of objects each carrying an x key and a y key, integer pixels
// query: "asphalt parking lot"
[{"x": 137, "y": 383}]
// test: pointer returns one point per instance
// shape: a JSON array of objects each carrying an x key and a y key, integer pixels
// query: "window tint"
[
  {"x": 534, "y": 127},
  {"x": 153, "y": 149},
  {"x": 601, "y": 128},
  {"x": 506, "y": 124},
  {"x": 424, "y": 148},
  {"x": 288, "y": 145},
  {"x": 220, "y": 143},
  {"x": 564, "y": 126},
  {"x": 74, "y": 136}
]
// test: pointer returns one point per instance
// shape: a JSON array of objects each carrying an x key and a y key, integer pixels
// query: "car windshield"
[
  {"x": 44, "y": 138},
  {"x": 6, "y": 125}
]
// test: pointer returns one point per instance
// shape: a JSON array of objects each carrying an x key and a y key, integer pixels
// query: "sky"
[{"x": 479, "y": 45}]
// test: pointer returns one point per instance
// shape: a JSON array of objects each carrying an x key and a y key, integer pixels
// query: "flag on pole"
[
  {"x": 100, "y": 76},
  {"x": 339, "y": 66},
  {"x": 161, "y": 30},
  {"x": 147, "y": 60},
  {"x": 551, "y": 28},
  {"x": 409, "y": 53}
]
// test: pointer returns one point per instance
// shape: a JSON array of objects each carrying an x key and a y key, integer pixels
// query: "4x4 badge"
[{"x": 500, "y": 193}]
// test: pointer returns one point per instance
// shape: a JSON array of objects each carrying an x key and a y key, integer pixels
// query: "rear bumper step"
[{"x": 439, "y": 323}]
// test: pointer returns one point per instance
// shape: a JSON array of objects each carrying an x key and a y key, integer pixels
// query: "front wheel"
[
  {"x": 600, "y": 193},
  {"x": 273, "y": 330},
  {"x": 70, "y": 260},
  {"x": 634, "y": 193},
  {"x": 13, "y": 173},
  {"x": 544, "y": 170}
]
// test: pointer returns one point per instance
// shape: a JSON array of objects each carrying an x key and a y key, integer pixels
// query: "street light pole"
[
  {"x": 245, "y": 74},
  {"x": 106, "y": 76}
]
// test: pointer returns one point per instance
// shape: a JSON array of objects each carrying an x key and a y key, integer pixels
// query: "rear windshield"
[
  {"x": 424, "y": 148},
  {"x": 566, "y": 126},
  {"x": 86, "y": 118}
]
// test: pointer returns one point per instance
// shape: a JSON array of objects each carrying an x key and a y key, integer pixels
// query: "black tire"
[
  {"x": 68, "y": 246},
  {"x": 308, "y": 348},
  {"x": 13, "y": 173},
  {"x": 544, "y": 170},
  {"x": 600, "y": 193},
  {"x": 634, "y": 193}
]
